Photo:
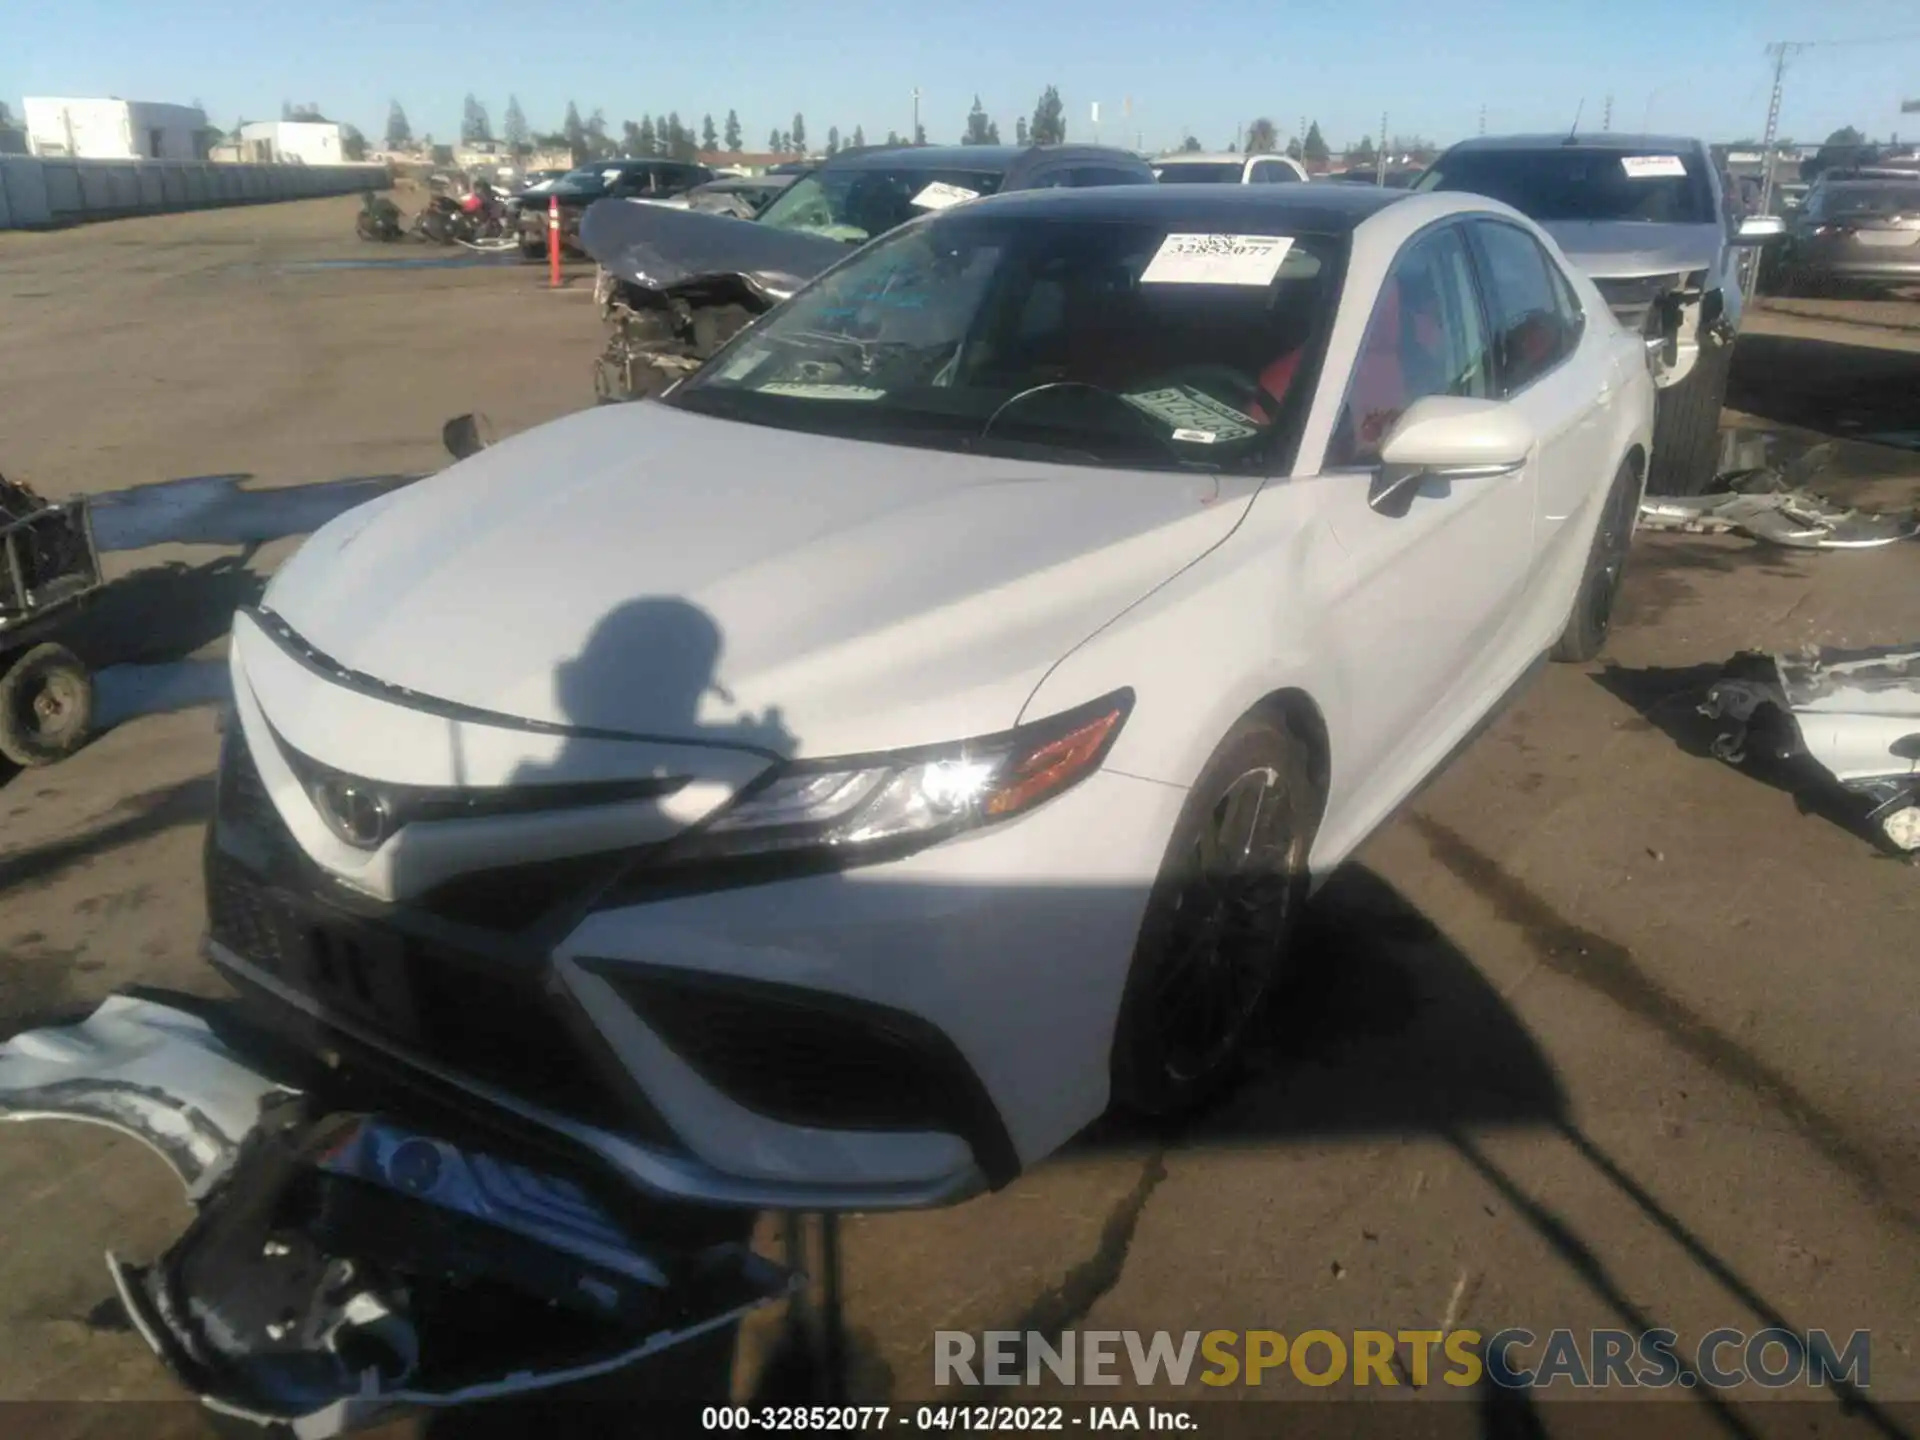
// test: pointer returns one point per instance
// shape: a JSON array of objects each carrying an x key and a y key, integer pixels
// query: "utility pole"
[
  {"x": 1606, "y": 116},
  {"x": 1779, "y": 51},
  {"x": 1483, "y": 119},
  {"x": 1380, "y": 160},
  {"x": 913, "y": 138}
]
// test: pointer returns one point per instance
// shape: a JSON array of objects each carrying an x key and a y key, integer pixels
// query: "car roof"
[
  {"x": 1581, "y": 140},
  {"x": 1210, "y": 157},
  {"x": 989, "y": 159},
  {"x": 1222, "y": 209}
]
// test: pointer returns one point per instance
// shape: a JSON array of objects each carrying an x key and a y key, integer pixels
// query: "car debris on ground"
[
  {"x": 1853, "y": 713},
  {"x": 1764, "y": 505}
]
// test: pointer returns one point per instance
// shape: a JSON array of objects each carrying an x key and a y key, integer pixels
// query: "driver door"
[{"x": 1424, "y": 625}]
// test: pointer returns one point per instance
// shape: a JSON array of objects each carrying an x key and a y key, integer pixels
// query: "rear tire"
[
  {"x": 1592, "y": 618},
  {"x": 1686, "y": 424},
  {"x": 1219, "y": 927},
  {"x": 46, "y": 706}
]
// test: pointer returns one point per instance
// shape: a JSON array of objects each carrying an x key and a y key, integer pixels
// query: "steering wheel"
[{"x": 1145, "y": 425}]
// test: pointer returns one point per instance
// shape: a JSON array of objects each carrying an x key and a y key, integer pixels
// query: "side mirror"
[
  {"x": 466, "y": 435},
  {"x": 1759, "y": 229},
  {"x": 1448, "y": 437}
]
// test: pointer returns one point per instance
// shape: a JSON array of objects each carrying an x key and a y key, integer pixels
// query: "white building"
[
  {"x": 292, "y": 142},
  {"x": 112, "y": 129}
]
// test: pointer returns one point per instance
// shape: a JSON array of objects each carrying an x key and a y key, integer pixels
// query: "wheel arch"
[{"x": 1301, "y": 714}]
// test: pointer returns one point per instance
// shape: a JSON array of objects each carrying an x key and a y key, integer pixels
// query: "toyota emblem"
[{"x": 356, "y": 813}]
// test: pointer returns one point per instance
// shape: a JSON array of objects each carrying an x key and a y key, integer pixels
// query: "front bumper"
[{"x": 891, "y": 1036}]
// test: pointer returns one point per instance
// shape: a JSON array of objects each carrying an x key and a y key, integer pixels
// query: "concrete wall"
[{"x": 38, "y": 192}]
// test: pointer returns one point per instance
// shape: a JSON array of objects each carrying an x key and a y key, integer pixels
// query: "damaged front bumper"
[
  {"x": 344, "y": 1264},
  {"x": 1853, "y": 713}
]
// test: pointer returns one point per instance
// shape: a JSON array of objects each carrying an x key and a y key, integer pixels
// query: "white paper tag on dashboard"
[
  {"x": 1651, "y": 167},
  {"x": 1193, "y": 413},
  {"x": 939, "y": 196},
  {"x": 823, "y": 391},
  {"x": 1217, "y": 260}
]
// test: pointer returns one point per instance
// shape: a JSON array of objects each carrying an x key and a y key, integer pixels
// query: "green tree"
[
  {"x": 513, "y": 128},
  {"x": 1262, "y": 138},
  {"x": 1417, "y": 148},
  {"x": 919, "y": 134},
  {"x": 1293, "y": 148},
  {"x": 1314, "y": 148},
  {"x": 1191, "y": 144},
  {"x": 833, "y": 140},
  {"x": 1020, "y": 130},
  {"x": 893, "y": 140},
  {"x": 1845, "y": 146},
  {"x": 733, "y": 131},
  {"x": 798, "y": 135},
  {"x": 353, "y": 145},
  {"x": 576, "y": 134},
  {"x": 977, "y": 129},
  {"x": 630, "y": 138},
  {"x": 646, "y": 140},
  {"x": 399, "y": 132},
  {"x": 475, "y": 127},
  {"x": 776, "y": 143},
  {"x": 709, "y": 137},
  {"x": 682, "y": 143},
  {"x": 1049, "y": 126},
  {"x": 1363, "y": 153},
  {"x": 859, "y": 141},
  {"x": 599, "y": 145}
]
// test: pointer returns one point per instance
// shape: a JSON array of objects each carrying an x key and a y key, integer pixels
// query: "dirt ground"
[{"x": 1600, "y": 1032}]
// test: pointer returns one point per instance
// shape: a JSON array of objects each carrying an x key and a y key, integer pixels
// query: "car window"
[
  {"x": 857, "y": 204},
  {"x": 1581, "y": 183},
  {"x": 1272, "y": 172},
  {"x": 1082, "y": 176},
  {"x": 1426, "y": 337},
  {"x": 1113, "y": 343},
  {"x": 1532, "y": 330}
]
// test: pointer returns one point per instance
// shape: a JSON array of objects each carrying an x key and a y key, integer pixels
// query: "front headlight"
[{"x": 878, "y": 806}]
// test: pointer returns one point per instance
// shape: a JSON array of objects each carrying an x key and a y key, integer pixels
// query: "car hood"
[
  {"x": 643, "y": 570},
  {"x": 658, "y": 248},
  {"x": 1624, "y": 250}
]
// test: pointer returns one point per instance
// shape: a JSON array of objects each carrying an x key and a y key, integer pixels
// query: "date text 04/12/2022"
[{"x": 952, "y": 1419}]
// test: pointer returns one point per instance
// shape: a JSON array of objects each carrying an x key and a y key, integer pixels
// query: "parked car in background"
[
  {"x": 742, "y": 196},
  {"x": 1398, "y": 177},
  {"x": 538, "y": 182},
  {"x": 1193, "y": 167},
  {"x": 625, "y": 179},
  {"x": 1857, "y": 230},
  {"x": 833, "y": 785},
  {"x": 677, "y": 286},
  {"x": 1651, "y": 219}
]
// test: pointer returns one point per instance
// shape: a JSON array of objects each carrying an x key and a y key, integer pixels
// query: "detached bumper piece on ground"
[
  {"x": 1854, "y": 713},
  {"x": 1764, "y": 505},
  {"x": 343, "y": 1265}
]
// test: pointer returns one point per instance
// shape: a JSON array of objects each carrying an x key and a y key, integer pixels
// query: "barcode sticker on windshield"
[
  {"x": 1194, "y": 412},
  {"x": 939, "y": 196},
  {"x": 1217, "y": 260},
  {"x": 1651, "y": 167},
  {"x": 821, "y": 391}
]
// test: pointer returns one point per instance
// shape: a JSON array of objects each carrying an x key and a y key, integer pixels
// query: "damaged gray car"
[{"x": 677, "y": 284}]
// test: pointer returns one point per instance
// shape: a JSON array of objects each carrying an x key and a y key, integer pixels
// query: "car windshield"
[
  {"x": 1195, "y": 172},
  {"x": 1083, "y": 341},
  {"x": 1883, "y": 197},
  {"x": 1574, "y": 183},
  {"x": 859, "y": 203}
]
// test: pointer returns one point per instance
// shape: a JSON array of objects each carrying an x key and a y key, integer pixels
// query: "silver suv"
[{"x": 1651, "y": 219}]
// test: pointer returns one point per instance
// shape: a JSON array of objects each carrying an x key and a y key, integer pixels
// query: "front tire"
[
  {"x": 1220, "y": 922},
  {"x": 1592, "y": 618},
  {"x": 1686, "y": 424}
]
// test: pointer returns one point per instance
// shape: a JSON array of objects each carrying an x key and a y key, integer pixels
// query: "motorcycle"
[{"x": 437, "y": 222}]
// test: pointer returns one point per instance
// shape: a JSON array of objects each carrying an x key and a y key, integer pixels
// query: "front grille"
[
  {"x": 474, "y": 1015},
  {"x": 1632, "y": 300}
]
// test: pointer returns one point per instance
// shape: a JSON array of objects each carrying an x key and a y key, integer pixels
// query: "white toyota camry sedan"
[{"x": 833, "y": 784}]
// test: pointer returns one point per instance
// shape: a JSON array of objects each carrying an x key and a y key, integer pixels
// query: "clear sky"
[{"x": 1204, "y": 66}]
